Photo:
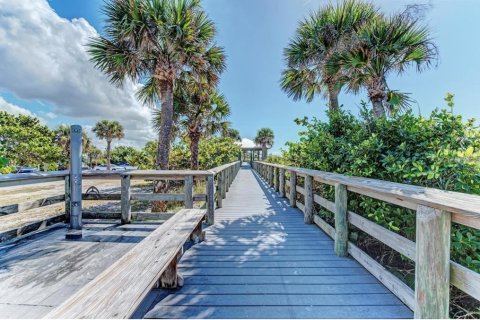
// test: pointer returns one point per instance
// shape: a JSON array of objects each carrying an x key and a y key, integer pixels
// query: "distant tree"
[
  {"x": 264, "y": 138},
  {"x": 24, "y": 140},
  {"x": 234, "y": 134},
  {"x": 156, "y": 41},
  {"x": 383, "y": 46},
  {"x": 121, "y": 154},
  {"x": 108, "y": 130},
  {"x": 316, "y": 40},
  {"x": 93, "y": 156},
  {"x": 62, "y": 139}
]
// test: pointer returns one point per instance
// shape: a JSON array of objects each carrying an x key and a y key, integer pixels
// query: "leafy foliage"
[
  {"x": 440, "y": 151},
  {"x": 24, "y": 140}
]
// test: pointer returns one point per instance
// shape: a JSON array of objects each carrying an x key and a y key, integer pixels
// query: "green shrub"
[{"x": 439, "y": 151}]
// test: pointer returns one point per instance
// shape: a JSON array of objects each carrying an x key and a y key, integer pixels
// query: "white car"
[{"x": 113, "y": 167}]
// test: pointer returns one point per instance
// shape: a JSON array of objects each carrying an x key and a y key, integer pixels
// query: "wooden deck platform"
[
  {"x": 42, "y": 271},
  {"x": 261, "y": 261}
]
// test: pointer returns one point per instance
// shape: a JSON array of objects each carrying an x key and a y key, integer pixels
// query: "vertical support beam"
[
  {"x": 308, "y": 216},
  {"x": 270, "y": 176},
  {"x": 282, "y": 183},
  {"x": 76, "y": 177},
  {"x": 67, "y": 198},
  {"x": 198, "y": 235},
  {"x": 125, "y": 200},
  {"x": 293, "y": 189},
  {"x": 341, "y": 223},
  {"x": 276, "y": 179},
  {"x": 210, "y": 200},
  {"x": 219, "y": 189},
  {"x": 171, "y": 278},
  {"x": 432, "y": 267},
  {"x": 189, "y": 192},
  {"x": 224, "y": 185},
  {"x": 227, "y": 179}
]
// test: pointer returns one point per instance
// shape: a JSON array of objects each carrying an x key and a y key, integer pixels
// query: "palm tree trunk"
[
  {"x": 264, "y": 152},
  {"x": 164, "y": 139},
  {"x": 332, "y": 97},
  {"x": 194, "y": 136},
  {"x": 109, "y": 145},
  {"x": 166, "y": 123},
  {"x": 378, "y": 109},
  {"x": 376, "y": 93}
]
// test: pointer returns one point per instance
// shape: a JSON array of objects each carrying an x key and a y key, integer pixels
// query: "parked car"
[
  {"x": 126, "y": 166},
  {"x": 113, "y": 167},
  {"x": 27, "y": 170}
]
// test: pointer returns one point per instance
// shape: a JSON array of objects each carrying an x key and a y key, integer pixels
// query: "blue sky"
[{"x": 254, "y": 33}]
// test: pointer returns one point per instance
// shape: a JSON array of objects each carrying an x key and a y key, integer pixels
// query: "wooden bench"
[{"x": 118, "y": 291}]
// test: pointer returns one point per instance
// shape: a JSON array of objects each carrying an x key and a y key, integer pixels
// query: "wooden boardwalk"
[{"x": 261, "y": 261}]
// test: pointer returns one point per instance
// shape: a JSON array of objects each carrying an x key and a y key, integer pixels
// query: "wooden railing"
[
  {"x": 218, "y": 181},
  {"x": 435, "y": 211}
]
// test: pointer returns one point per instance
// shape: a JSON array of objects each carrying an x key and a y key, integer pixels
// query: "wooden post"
[
  {"x": 189, "y": 192},
  {"x": 210, "y": 200},
  {"x": 227, "y": 179},
  {"x": 76, "y": 177},
  {"x": 219, "y": 190},
  {"x": 125, "y": 200},
  {"x": 171, "y": 278},
  {"x": 308, "y": 216},
  {"x": 67, "y": 199},
  {"x": 270, "y": 175},
  {"x": 224, "y": 187},
  {"x": 432, "y": 267},
  {"x": 275, "y": 179},
  {"x": 282, "y": 183},
  {"x": 341, "y": 223},
  {"x": 198, "y": 235},
  {"x": 293, "y": 189}
]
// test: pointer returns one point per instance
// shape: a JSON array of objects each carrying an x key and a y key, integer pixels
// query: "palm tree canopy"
[
  {"x": 265, "y": 137},
  {"x": 317, "y": 38},
  {"x": 108, "y": 130},
  {"x": 154, "y": 41},
  {"x": 384, "y": 45},
  {"x": 62, "y": 138}
]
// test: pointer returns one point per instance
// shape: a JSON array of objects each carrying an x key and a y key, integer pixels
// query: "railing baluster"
[
  {"x": 276, "y": 179},
  {"x": 210, "y": 200},
  {"x": 432, "y": 269},
  {"x": 293, "y": 189},
  {"x": 125, "y": 200},
  {"x": 341, "y": 223},
  {"x": 67, "y": 198},
  {"x": 282, "y": 183},
  {"x": 308, "y": 216},
  {"x": 189, "y": 192}
]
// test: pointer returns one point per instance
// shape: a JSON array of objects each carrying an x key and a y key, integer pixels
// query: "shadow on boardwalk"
[{"x": 261, "y": 261}]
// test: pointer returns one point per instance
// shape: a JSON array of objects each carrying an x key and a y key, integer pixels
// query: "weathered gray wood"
[
  {"x": 67, "y": 198},
  {"x": 276, "y": 179},
  {"x": 170, "y": 277},
  {"x": 119, "y": 290},
  {"x": 341, "y": 223},
  {"x": 220, "y": 188},
  {"x": 188, "y": 192},
  {"x": 400, "y": 289},
  {"x": 432, "y": 268},
  {"x": 101, "y": 196},
  {"x": 210, "y": 200},
  {"x": 21, "y": 207},
  {"x": 125, "y": 200},
  {"x": 308, "y": 213},
  {"x": 391, "y": 239},
  {"x": 157, "y": 196},
  {"x": 293, "y": 189},
  {"x": 465, "y": 279},
  {"x": 322, "y": 224},
  {"x": 282, "y": 183},
  {"x": 329, "y": 205}
]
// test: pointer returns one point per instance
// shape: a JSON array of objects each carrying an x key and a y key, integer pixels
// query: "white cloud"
[
  {"x": 13, "y": 109},
  {"x": 44, "y": 57}
]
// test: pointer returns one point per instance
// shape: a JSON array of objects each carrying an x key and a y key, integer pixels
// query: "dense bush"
[{"x": 440, "y": 151}]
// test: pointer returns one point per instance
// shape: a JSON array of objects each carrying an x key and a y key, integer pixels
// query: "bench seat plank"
[{"x": 120, "y": 289}]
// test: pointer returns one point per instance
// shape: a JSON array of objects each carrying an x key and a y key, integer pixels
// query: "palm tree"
[
  {"x": 108, "y": 130},
  {"x": 317, "y": 38},
  {"x": 155, "y": 41},
  {"x": 93, "y": 155},
  {"x": 381, "y": 47},
  {"x": 264, "y": 138},
  {"x": 201, "y": 112},
  {"x": 62, "y": 138},
  {"x": 234, "y": 134}
]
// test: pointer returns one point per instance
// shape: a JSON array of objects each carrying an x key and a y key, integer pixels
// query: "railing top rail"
[
  {"x": 455, "y": 202},
  {"x": 223, "y": 167},
  {"x": 25, "y": 178}
]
